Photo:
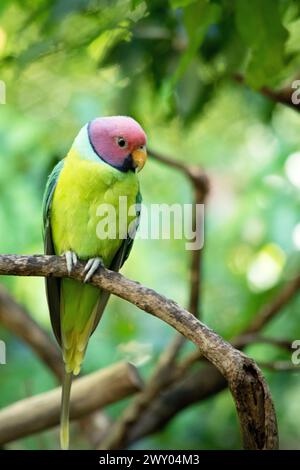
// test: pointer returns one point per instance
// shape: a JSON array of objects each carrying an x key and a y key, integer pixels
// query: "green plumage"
[{"x": 75, "y": 190}]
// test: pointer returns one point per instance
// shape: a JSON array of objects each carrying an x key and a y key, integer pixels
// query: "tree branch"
[
  {"x": 89, "y": 393},
  {"x": 240, "y": 343},
  {"x": 200, "y": 185},
  {"x": 17, "y": 320},
  {"x": 194, "y": 386},
  {"x": 251, "y": 338},
  {"x": 246, "y": 383},
  {"x": 270, "y": 310},
  {"x": 283, "y": 96}
]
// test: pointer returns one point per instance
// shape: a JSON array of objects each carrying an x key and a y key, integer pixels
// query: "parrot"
[{"x": 101, "y": 166}]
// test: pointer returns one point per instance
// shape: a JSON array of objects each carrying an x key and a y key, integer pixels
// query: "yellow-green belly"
[{"x": 82, "y": 187}]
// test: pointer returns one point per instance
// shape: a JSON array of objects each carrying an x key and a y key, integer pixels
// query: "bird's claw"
[
  {"x": 91, "y": 267},
  {"x": 71, "y": 260}
]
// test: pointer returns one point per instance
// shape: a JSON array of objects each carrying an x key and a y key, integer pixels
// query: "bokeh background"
[{"x": 172, "y": 65}]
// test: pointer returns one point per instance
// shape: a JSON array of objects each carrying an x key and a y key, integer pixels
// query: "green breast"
[{"x": 78, "y": 217}]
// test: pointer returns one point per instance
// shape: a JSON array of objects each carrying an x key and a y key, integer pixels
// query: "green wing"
[
  {"x": 126, "y": 247},
  {"x": 52, "y": 283},
  {"x": 118, "y": 261}
]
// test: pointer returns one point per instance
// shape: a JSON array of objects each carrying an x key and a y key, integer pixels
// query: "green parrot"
[{"x": 100, "y": 168}]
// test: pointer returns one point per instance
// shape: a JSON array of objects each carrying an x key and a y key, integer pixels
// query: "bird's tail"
[
  {"x": 75, "y": 333},
  {"x": 65, "y": 410}
]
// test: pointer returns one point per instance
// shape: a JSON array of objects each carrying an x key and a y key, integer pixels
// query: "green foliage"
[
  {"x": 260, "y": 26},
  {"x": 209, "y": 13},
  {"x": 170, "y": 65}
]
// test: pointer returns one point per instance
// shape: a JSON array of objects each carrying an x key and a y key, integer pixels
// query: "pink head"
[{"x": 119, "y": 141}]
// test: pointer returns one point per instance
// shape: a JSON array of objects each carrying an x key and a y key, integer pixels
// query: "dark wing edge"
[
  {"x": 52, "y": 284},
  {"x": 118, "y": 261}
]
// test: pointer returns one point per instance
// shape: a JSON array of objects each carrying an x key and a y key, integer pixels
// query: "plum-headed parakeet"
[{"x": 100, "y": 167}]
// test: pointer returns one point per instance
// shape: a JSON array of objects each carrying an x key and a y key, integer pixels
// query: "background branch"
[
  {"x": 16, "y": 319},
  {"x": 89, "y": 393},
  {"x": 282, "y": 96},
  {"x": 200, "y": 187},
  {"x": 271, "y": 309},
  {"x": 193, "y": 386},
  {"x": 280, "y": 366}
]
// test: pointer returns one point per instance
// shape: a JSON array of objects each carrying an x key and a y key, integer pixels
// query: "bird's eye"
[{"x": 121, "y": 142}]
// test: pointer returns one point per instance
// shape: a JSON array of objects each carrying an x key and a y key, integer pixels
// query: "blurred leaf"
[
  {"x": 181, "y": 3},
  {"x": 197, "y": 18},
  {"x": 3, "y": 5},
  {"x": 102, "y": 45},
  {"x": 135, "y": 3},
  {"x": 291, "y": 21},
  {"x": 260, "y": 26},
  {"x": 293, "y": 43},
  {"x": 61, "y": 8}
]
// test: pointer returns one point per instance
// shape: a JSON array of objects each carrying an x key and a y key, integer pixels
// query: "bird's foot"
[
  {"x": 91, "y": 267},
  {"x": 71, "y": 260}
]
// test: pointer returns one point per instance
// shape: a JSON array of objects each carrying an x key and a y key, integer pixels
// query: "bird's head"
[{"x": 118, "y": 141}]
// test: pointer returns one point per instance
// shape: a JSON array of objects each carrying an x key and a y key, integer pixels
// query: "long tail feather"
[{"x": 65, "y": 409}]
